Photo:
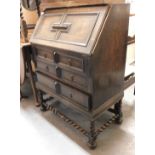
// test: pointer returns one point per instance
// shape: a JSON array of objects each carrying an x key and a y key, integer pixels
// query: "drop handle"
[
  {"x": 56, "y": 57},
  {"x": 57, "y": 87},
  {"x": 58, "y": 71}
]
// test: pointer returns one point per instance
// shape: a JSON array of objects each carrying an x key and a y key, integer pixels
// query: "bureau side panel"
[{"x": 109, "y": 56}]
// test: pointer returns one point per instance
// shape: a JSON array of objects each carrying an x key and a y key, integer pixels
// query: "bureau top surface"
[{"x": 74, "y": 29}]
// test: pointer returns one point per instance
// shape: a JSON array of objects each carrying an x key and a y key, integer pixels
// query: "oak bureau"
[{"x": 80, "y": 54}]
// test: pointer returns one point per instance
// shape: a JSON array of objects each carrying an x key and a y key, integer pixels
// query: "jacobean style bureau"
[{"x": 80, "y": 53}]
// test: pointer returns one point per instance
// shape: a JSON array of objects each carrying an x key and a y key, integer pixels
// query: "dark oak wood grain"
[{"x": 80, "y": 55}]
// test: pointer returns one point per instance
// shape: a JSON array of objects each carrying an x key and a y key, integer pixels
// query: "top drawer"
[{"x": 55, "y": 56}]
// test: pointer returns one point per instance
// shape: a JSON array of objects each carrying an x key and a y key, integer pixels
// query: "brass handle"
[
  {"x": 56, "y": 57},
  {"x": 55, "y": 26},
  {"x": 57, "y": 87},
  {"x": 58, "y": 71},
  {"x": 61, "y": 27}
]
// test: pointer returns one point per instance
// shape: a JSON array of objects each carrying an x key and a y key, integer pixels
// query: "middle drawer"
[{"x": 76, "y": 80}]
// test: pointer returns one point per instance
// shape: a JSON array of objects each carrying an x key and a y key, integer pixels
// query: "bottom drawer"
[{"x": 63, "y": 90}]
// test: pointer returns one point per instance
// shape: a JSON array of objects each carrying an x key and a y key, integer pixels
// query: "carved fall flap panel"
[
  {"x": 64, "y": 28},
  {"x": 73, "y": 29}
]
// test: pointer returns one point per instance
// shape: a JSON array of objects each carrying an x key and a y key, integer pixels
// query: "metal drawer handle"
[
  {"x": 56, "y": 57},
  {"x": 61, "y": 27},
  {"x": 47, "y": 68},
  {"x": 58, "y": 71},
  {"x": 57, "y": 87},
  {"x": 58, "y": 26}
]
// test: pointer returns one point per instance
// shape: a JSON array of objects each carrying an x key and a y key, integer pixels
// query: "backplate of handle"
[
  {"x": 56, "y": 57},
  {"x": 57, "y": 87},
  {"x": 58, "y": 71}
]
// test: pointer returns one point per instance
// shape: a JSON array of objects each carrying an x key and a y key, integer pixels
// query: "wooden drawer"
[
  {"x": 64, "y": 90},
  {"x": 53, "y": 70},
  {"x": 55, "y": 56}
]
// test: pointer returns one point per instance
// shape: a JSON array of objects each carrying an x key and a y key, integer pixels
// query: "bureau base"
[{"x": 94, "y": 129}]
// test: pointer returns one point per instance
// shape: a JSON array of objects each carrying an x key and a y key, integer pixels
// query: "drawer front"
[
  {"x": 63, "y": 90},
  {"x": 44, "y": 54},
  {"x": 69, "y": 77},
  {"x": 55, "y": 56}
]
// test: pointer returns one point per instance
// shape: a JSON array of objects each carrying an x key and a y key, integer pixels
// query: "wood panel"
[
  {"x": 85, "y": 24},
  {"x": 61, "y": 3}
]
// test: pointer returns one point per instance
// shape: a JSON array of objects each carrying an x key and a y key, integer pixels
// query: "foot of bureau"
[
  {"x": 43, "y": 107},
  {"x": 92, "y": 136},
  {"x": 118, "y": 111},
  {"x": 80, "y": 55},
  {"x": 93, "y": 131}
]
